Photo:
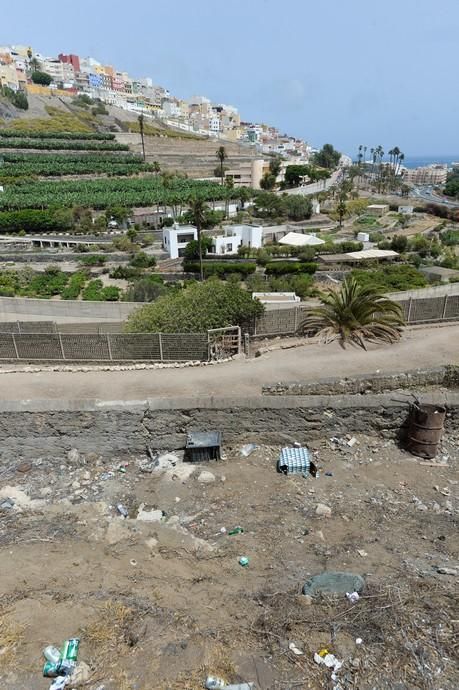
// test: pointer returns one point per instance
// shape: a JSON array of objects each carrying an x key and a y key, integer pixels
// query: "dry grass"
[
  {"x": 111, "y": 628},
  {"x": 217, "y": 662},
  {"x": 11, "y": 635}
]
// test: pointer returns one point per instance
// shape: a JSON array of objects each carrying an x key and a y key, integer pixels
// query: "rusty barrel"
[{"x": 425, "y": 429}]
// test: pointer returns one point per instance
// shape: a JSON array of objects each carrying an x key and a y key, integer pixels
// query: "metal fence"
[
  {"x": 118, "y": 347},
  {"x": 416, "y": 311}
]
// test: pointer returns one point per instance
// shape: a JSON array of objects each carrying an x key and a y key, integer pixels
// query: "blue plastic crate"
[{"x": 294, "y": 461}]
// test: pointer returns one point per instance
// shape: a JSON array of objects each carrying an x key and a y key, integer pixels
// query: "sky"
[{"x": 347, "y": 72}]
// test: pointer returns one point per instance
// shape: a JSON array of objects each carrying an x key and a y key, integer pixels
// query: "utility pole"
[{"x": 142, "y": 135}]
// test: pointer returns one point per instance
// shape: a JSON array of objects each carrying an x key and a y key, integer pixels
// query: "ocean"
[{"x": 421, "y": 161}]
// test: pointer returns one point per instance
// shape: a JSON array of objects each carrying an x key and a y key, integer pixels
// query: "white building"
[
  {"x": 177, "y": 237},
  {"x": 237, "y": 236},
  {"x": 296, "y": 239},
  {"x": 406, "y": 210}
]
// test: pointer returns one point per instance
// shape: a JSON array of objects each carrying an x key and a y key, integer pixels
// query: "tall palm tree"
[
  {"x": 198, "y": 210},
  {"x": 354, "y": 315},
  {"x": 222, "y": 156}
]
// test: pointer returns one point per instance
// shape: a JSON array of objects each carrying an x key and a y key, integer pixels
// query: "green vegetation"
[
  {"x": 268, "y": 205},
  {"x": 146, "y": 289},
  {"x": 280, "y": 268},
  {"x": 452, "y": 185},
  {"x": 96, "y": 292},
  {"x": 212, "y": 304},
  {"x": 28, "y": 164},
  {"x": 61, "y": 144},
  {"x": 450, "y": 238},
  {"x": 42, "y": 78},
  {"x": 52, "y": 134},
  {"x": 107, "y": 192},
  {"x": 152, "y": 131},
  {"x": 34, "y": 220},
  {"x": 142, "y": 260},
  {"x": 355, "y": 314},
  {"x": 93, "y": 260},
  {"x": 391, "y": 278},
  {"x": 295, "y": 173},
  {"x": 327, "y": 157},
  {"x": 17, "y": 98},
  {"x": 220, "y": 268},
  {"x": 74, "y": 285}
]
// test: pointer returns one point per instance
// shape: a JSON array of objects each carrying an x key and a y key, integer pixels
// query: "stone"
[
  {"x": 76, "y": 484},
  {"x": 323, "y": 511},
  {"x": 151, "y": 543},
  {"x": 334, "y": 583},
  {"x": 81, "y": 673},
  {"x": 306, "y": 600},
  {"x": 24, "y": 467},
  {"x": 149, "y": 515},
  {"x": 206, "y": 477},
  {"x": 73, "y": 456},
  {"x": 448, "y": 571}
]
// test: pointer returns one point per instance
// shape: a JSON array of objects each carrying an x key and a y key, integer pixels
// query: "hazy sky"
[{"x": 340, "y": 71}]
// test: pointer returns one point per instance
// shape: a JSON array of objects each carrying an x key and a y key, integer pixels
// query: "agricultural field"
[
  {"x": 17, "y": 165},
  {"x": 106, "y": 192}
]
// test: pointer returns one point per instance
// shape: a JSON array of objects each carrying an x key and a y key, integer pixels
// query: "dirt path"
[{"x": 419, "y": 348}]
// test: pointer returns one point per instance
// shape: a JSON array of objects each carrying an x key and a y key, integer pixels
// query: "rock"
[
  {"x": 334, "y": 582},
  {"x": 24, "y": 467},
  {"x": 165, "y": 462},
  {"x": 86, "y": 475},
  {"x": 323, "y": 510},
  {"x": 448, "y": 571},
  {"x": 151, "y": 543},
  {"x": 149, "y": 515},
  {"x": 73, "y": 456},
  {"x": 81, "y": 673},
  {"x": 206, "y": 477},
  {"x": 306, "y": 600},
  {"x": 76, "y": 484}
]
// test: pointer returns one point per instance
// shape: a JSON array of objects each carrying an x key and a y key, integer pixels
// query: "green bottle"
[{"x": 70, "y": 649}]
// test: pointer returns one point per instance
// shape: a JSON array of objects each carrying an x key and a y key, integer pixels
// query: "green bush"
[
  {"x": 391, "y": 278},
  {"x": 280, "y": 268},
  {"x": 96, "y": 292},
  {"x": 142, "y": 260},
  {"x": 34, "y": 220},
  {"x": 220, "y": 268},
  {"x": 74, "y": 286},
  {"x": 125, "y": 273},
  {"x": 212, "y": 304},
  {"x": 145, "y": 290},
  {"x": 93, "y": 260}
]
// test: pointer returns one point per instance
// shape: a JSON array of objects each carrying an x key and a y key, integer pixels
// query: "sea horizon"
[{"x": 423, "y": 160}]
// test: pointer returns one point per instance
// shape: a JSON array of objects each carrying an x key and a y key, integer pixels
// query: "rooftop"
[{"x": 297, "y": 239}]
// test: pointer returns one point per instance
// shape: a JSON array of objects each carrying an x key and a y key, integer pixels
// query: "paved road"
[
  {"x": 434, "y": 198},
  {"x": 418, "y": 348}
]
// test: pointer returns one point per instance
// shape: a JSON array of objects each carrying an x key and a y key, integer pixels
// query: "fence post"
[
  {"x": 62, "y": 346},
  {"x": 109, "y": 347},
  {"x": 161, "y": 346},
  {"x": 19, "y": 326},
  {"x": 15, "y": 346},
  {"x": 239, "y": 340},
  {"x": 408, "y": 316},
  {"x": 296, "y": 320},
  {"x": 445, "y": 304},
  {"x": 247, "y": 344}
]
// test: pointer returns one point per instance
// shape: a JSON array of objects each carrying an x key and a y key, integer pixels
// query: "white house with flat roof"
[
  {"x": 177, "y": 237},
  {"x": 236, "y": 236}
]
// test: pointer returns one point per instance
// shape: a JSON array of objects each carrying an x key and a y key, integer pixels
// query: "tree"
[
  {"x": 191, "y": 251},
  {"x": 145, "y": 290},
  {"x": 34, "y": 64},
  {"x": 197, "y": 308},
  {"x": 355, "y": 314},
  {"x": 142, "y": 136},
  {"x": 268, "y": 182},
  {"x": 327, "y": 157},
  {"x": 297, "y": 207},
  {"x": 198, "y": 209},
  {"x": 399, "y": 243},
  {"x": 275, "y": 165},
  {"x": 41, "y": 78},
  {"x": 222, "y": 156},
  {"x": 268, "y": 204}
]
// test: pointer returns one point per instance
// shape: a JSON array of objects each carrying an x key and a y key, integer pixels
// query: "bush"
[
  {"x": 391, "y": 278},
  {"x": 280, "y": 268},
  {"x": 297, "y": 207},
  {"x": 93, "y": 260},
  {"x": 33, "y": 220},
  {"x": 96, "y": 292},
  {"x": 142, "y": 260},
  {"x": 192, "y": 248},
  {"x": 125, "y": 273},
  {"x": 212, "y": 304},
  {"x": 220, "y": 268},
  {"x": 42, "y": 78},
  {"x": 75, "y": 285},
  {"x": 145, "y": 290}
]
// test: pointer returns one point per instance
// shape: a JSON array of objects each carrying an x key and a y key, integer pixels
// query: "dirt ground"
[{"x": 159, "y": 604}]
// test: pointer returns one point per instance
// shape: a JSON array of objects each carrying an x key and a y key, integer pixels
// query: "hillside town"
[{"x": 72, "y": 74}]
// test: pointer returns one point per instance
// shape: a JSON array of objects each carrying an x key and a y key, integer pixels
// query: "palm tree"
[
  {"x": 198, "y": 210},
  {"x": 222, "y": 156},
  {"x": 356, "y": 314}
]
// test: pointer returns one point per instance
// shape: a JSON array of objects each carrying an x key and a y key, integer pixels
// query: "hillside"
[{"x": 173, "y": 149}]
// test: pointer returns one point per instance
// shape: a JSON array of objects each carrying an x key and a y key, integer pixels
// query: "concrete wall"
[
  {"x": 51, "y": 428},
  {"x": 447, "y": 376},
  {"x": 435, "y": 291},
  {"x": 23, "y": 309}
]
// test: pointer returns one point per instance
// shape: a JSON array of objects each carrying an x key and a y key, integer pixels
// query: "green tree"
[
  {"x": 41, "y": 78},
  {"x": 191, "y": 251},
  {"x": 197, "y": 308},
  {"x": 297, "y": 207},
  {"x": 275, "y": 164},
  {"x": 268, "y": 205},
  {"x": 355, "y": 314},
  {"x": 222, "y": 156},
  {"x": 268, "y": 181},
  {"x": 327, "y": 157},
  {"x": 399, "y": 243}
]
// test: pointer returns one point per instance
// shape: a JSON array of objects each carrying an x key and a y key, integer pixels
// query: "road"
[
  {"x": 315, "y": 187},
  {"x": 424, "y": 193},
  {"x": 419, "y": 347}
]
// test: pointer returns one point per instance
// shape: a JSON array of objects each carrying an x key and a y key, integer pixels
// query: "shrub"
[
  {"x": 145, "y": 290},
  {"x": 212, "y": 304},
  {"x": 220, "y": 268},
  {"x": 391, "y": 278},
  {"x": 93, "y": 260},
  {"x": 42, "y": 78},
  {"x": 279, "y": 268},
  {"x": 142, "y": 260},
  {"x": 75, "y": 285},
  {"x": 96, "y": 292}
]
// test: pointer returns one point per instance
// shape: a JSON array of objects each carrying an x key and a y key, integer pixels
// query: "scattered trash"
[
  {"x": 7, "y": 504},
  {"x": 448, "y": 571},
  {"x": 236, "y": 530},
  {"x": 223, "y": 530},
  {"x": 334, "y": 583},
  {"x": 244, "y": 561},
  {"x": 63, "y": 667},
  {"x": 133, "y": 562},
  {"x": 149, "y": 515},
  {"x": 240, "y": 686},
  {"x": 215, "y": 683},
  {"x": 203, "y": 446},
  {"x": 295, "y": 461},
  {"x": 248, "y": 449},
  {"x": 328, "y": 660},
  {"x": 293, "y": 648},
  {"x": 122, "y": 510},
  {"x": 362, "y": 553},
  {"x": 359, "y": 640},
  {"x": 60, "y": 683},
  {"x": 352, "y": 441},
  {"x": 353, "y": 597},
  {"x": 329, "y": 474},
  {"x": 52, "y": 654}
]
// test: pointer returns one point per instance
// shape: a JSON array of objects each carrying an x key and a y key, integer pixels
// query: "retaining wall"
[
  {"x": 447, "y": 376},
  {"x": 52, "y": 428}
]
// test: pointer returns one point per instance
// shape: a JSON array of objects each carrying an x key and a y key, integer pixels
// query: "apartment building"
[
  {"x": 73, "y": 60},
  {"x": 430, "y": 174}
]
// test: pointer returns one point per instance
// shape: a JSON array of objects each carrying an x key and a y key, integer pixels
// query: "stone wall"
[
  {"x": 51, "y": 428},
  {"x": 447, "y": 376}
]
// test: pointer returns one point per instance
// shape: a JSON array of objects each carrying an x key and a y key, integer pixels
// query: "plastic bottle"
[
  {"x": 52, "y": 654},
  {"x": 213, "y": 683}
]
